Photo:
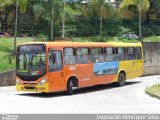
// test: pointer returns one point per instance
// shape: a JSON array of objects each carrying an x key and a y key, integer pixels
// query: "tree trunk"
[
  {"x": 148, "y": 14},
  {"x": 4, "y": 20},
  {"x": 15, "y": 32},
  {"x": 140, "y": 24},
  {"x": 101, "y": 23},
  {"x": 63, "y": 28},
  {"x": 148, "y": 17},
  {"x": 158, "y": 18},
  {"x": 63, "y": 21},
  {"x": 52, "y": 18}
]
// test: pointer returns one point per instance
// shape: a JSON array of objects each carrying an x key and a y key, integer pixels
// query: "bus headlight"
[
  {"x": 18, "y": 82},
  {"x": 43, "y": 81}
]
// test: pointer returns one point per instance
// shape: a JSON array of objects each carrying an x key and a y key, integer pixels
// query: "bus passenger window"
[
  {"x": 131, "y": 53},
  {"x": 82, "y": 55},
  {"x": 54, "y": 60},
  {"x": 121, "y": 53},
  {"x": 110, "y": 54},
  {"x": 97, "y": 55},
  {"x": 69, "y": 56},
  {"x": 139, "y": 53}
]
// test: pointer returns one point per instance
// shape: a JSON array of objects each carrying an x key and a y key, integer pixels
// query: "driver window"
[{"x": 54, "y": 60}]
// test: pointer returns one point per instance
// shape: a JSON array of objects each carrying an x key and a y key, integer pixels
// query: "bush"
[
  {"x": 7, "y": 63},
  {"x": 84, "y": 27}
]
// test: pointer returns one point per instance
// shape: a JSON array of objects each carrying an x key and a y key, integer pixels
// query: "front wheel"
[
  {"x": 121, "y": 79},
  {"x": 70, "y": 87}
]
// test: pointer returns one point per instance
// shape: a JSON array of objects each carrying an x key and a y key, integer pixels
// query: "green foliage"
[
  {"x": 156, "y": 6},
  {"x": 4, "y": 3},
  {"x": 7, "y": 59},
  {"x": 82, "y": 20},
  {"x": 150, "y": 30},
  {"x": 152, "y": 39},
  {"x": 7, "y": 63},
  {"x": 135, "y": 4},
  {"x": 153, "y": 91}
]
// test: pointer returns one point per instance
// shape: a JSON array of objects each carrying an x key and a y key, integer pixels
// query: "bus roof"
[{"x": 84, "y": 44}]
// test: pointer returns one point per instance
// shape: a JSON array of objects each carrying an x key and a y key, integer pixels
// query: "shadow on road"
[{"x": 76, "y": 92}]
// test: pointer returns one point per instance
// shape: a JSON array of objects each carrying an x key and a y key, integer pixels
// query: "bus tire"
[
  {"x": 70, "y": 87},
  {"x": 44, "y": 93},
  {"x": 121, "y": 79}
]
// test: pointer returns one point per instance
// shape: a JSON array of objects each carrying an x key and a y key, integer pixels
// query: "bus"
[{"x": 65, "y": 66}]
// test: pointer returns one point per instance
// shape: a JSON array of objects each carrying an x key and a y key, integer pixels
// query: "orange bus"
[{"x": 57, "y": 66}]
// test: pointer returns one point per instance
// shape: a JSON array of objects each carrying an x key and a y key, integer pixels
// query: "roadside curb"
[{"x": 151, "y": 93}]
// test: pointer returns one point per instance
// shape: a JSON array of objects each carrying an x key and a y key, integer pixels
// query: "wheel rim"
[
  {"x": 71, "y": 85},
  {"x": 121, "y": 79}
]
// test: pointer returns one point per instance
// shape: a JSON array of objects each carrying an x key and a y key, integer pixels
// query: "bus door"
[
  {"x": 83, "y": 67},
  {"x": 131, "y": 63},
  {"x": 55, "y": 67}
]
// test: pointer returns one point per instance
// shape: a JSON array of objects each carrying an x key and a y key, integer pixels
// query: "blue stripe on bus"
[{"x": 106, "y": 68}]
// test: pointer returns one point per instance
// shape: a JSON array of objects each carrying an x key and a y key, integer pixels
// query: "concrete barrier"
[
  {"x": 8, "y": 78},
  {"x": 152, "y": 58}
]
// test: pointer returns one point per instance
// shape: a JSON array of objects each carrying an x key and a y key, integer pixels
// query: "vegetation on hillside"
[
  {"x": 7, "y": 57},
  {"x": 76, "y": 20}
]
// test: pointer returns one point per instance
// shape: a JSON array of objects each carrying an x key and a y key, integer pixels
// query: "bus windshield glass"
[{"x": 31, "y": 60}]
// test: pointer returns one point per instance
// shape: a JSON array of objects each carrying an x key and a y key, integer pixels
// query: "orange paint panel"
[{"x": 109, "y": 78}]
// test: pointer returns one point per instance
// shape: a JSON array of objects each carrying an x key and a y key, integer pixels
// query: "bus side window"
[
  {"x": 121, "y": 53},
  {"x": 54, "y": 60},
  {"x": 131, "y": 53},
  {"x": 82, "y": 55},
  {"x": 139, "y": 53},
  {"x": 69, "y": 56},
  {"x": 110, "y": 54},
  {"x": 97, "y": 55}
]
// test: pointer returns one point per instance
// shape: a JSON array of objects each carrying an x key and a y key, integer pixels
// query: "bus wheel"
[
  {"x": 70, "y": 87},
  {"x": 121, "y": 79}
]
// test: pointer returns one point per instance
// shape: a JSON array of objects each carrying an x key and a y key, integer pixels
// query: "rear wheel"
[
  {"x": 121, "y": 79},
  {"x": 44, "y": 93},
  {"x": 70, "y": 87}
]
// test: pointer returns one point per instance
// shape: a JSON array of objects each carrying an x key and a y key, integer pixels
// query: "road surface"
[{"x": 98, "y": 99}]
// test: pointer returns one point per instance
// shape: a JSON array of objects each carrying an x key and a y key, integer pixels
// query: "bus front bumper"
[{"x": 31, "y": 88}]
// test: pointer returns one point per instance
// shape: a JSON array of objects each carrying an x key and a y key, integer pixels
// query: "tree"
[
  {"x": 138, "y": 6},
  {"x": 7, "y": 6},
  {"x": 3, "y": 13},
  {"x": 156, "y": 8},
  {"x": 54, "y": 11},
  {"x": 99, "y": 8},
  {"x": 67, "y": 13},
  {"x": 22, "y": 5}
]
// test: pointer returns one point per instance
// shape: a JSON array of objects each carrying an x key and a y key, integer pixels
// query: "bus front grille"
[{"x": 29, "y": 88}]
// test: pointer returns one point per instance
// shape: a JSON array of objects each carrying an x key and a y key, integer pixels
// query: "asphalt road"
[{"x": 98, "y": 99}]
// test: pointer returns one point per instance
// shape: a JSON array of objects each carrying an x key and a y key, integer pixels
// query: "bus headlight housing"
[
  {"x": 43, "y": 81},
  {"x": 18, "y": 82}
]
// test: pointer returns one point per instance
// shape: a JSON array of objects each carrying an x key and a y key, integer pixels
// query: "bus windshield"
[{"x": 31, "y": 60}]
